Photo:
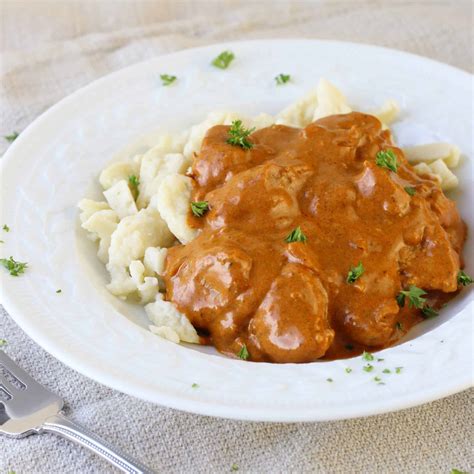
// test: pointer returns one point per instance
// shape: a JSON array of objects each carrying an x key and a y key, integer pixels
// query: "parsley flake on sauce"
[
  {"x": 167, "y": 80},
  {"x": 282, "y": 79},
  {"x": 410, "y": 190},
  {"x": 348, "y": 370},
  {"x": 234, "y": 467},
  {"x": 296, "y": 235},
  {"x": 199, "y": 208},
  {"x": 329, "y": 380},
  {"x": 415, "y": 297},
  {"x": 387, "y": 159},
  {"x": 223, "y": 60},
  {"x": 12, "y": 137},
  {"x": 59, "y": 291},
  {"x": 238, "y": 135},
  {"x": 355, "y": 273},
  {"x": 195, "y": 385},
  {"x": 368, "y": 368},
  {"x": 243, "y": 353},
  {"x": 464, "y": 279},
  {"x": 14, "y": 267},
  {"x": 429, "y": 312},
  {"x": 3, "y": 342},
  {"x": 457, "y": 471},
  {"x": 398, "y": 370},
  {"x": 386, "y": 371},
  {"x": 6, "y": 228}
]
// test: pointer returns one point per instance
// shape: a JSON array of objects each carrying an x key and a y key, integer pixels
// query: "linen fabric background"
[{"x": 48, "y": 50}]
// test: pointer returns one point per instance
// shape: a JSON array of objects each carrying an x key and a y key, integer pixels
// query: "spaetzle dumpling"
[
  {"x": 155, "y": 166},
  {"x": 134, "y": 234},
  {"x": 197, "y": 133},
  {"x": 89, "y": 207},
  {"x": 120, "y": 199},
  {"x": 300, "y": 113},
  {"x": 172, "y": 201},
  {"x": 430, "y": 152},
  {"x": 164, "y": 314},
  {"x": 117, "y": 172},
  {"x": 154, "y": 260},
  {"x": 330, "y": 101},
  {"x": 448, "y": 179},
  {"x": 388, "y": 113},
  {"x": 101, "y": 226}
]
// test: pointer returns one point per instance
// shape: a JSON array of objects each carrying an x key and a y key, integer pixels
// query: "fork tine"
[
  {"x": 15, "y": 370},
  {"x": 24, "y": 394}
]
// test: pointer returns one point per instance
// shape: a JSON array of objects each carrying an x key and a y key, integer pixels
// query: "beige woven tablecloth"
[{"x": 48, "y": 50}]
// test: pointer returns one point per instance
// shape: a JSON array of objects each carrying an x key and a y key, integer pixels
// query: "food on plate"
[{"x": 292, "y": 238}]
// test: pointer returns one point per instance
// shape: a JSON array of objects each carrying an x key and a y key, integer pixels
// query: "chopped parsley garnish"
[
  {"x": 238, "y": 135},
  {"x": 2, "y": 242},
  {"x": 429, "y": 312},
  {"x": 134, "y": 182},
  {"x": 457, "y": 471},
  {"x": 355, "y": 273},
  {"x": 12, "y": 137},
  {"x": 59, "y": 291},
  {"x": 282, "y": 79},
  {"x": 377, "y": 379},
  {"x": 329, "y": 380},
  {"x": 399, "y": 326},
  {"x": 464, "y": 279},
  {"x": 367, "y": 356},
  {"x": 380, "y": 360},
  {"x": 195, "y": 385},
  {"x": 386, "y": 371},
  {"x": 14, "y": 267},
  {"x": 387, "y": 159},
  {"x": 199, "y": 208},
  {"x": 296, "y": 235},
  {"x": 348, "y": 370},
  {"x": 3, "y": 342},
  {"x": 410, "y": 190},
  {"x": 223, "y": 60},
  {"x": 234, "y": 467},
  {"x": 6, "y": 228},
  {"x": 166, "y": 79},
  {"x": 243, "y": 353},
  {"x": 398, "y": 370},
  {"x": 368, "y": 368},
  {"x": 415, "y": 297}
]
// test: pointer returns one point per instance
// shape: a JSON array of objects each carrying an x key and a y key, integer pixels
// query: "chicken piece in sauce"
[{"x": 242, "y": 281}]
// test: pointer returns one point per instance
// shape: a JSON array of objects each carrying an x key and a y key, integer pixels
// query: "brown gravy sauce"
[{"x": 239, "y": 282}]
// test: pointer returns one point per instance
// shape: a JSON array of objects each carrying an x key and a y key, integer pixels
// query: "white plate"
[{"x": 55, "y": 162}]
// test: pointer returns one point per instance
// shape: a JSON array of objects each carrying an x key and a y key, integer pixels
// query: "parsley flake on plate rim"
[
  {"x": 13, "y": 267},
  {"x": 167, "y": 79},
  {"x": 223, "y": 60},
  {"x": 282, "y": 79}
]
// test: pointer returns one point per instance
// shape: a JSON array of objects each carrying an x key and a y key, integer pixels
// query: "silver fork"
[{"x": 26, "y": 407}]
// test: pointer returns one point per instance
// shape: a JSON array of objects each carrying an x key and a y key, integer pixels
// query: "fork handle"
[{"x": 62, "y": 426}]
